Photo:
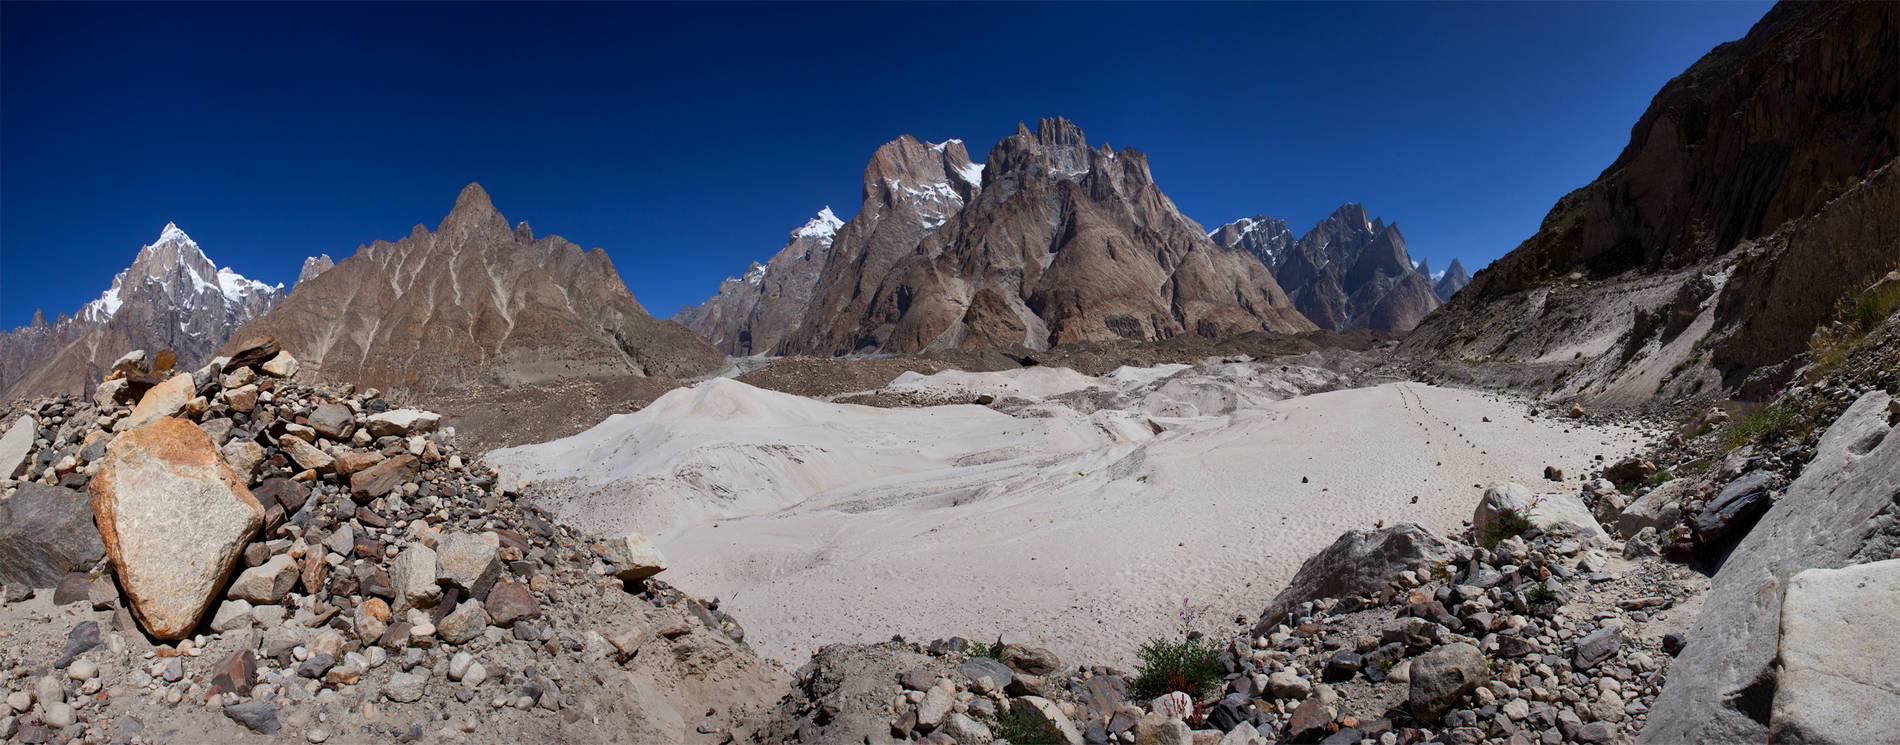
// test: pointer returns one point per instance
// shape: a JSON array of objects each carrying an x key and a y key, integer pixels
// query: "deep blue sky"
[{"x": 688, "y": 140}]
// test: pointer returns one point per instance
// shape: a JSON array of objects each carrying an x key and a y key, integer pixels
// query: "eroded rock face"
[
  {"x": 174, "y": 518},
  {"x": 1360, "y": 561},
  {"x": 1838, "y": 656},
  {"x": 1715, "y": 687},
  {"x": 407, "y": 313}
]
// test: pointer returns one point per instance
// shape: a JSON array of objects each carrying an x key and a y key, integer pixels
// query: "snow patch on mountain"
[{"x": 824, "y": 226}]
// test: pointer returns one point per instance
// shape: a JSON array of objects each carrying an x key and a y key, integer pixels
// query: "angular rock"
[
  {"x": 634, "y": 557},
  {"x": 175, "y": 519},
  {"x": 1629, "y": 471},
  {"x": 963, "y": 730},
  {"x": 1360, "y": 561},
  {"x": 307, "y": 455},
  {"x": 402, "y": 422},
  {"x": 1598, "y": 646},
  {"x": 1661, "y": 509},
  {"x": 259, "y": 716},
  {"x": 998, "y": 674},
  {"x": 1735, "y": 509},
  {"x": 467, "y": 562},
  {"x": 46, "y": 532},
  {"x": 83, "y": 638},
  {"x": 1546, "y": 511},
  {"x": 17, "y": 444},
  {"x": 1442, "y": 676},
  {"x": 234, "y": 673},
  {"x": 412, "y": 577},
  {"x": 1838, "y": 657},
  {"x": 283, "y": 492},
  {"x": 404, "y": 687},
  {"x": 244, "y": 457},
  {"x": 509, "y": 602},
  {"x": 1039, "y": 710},
  {"x": 334, "y": 421},
  {"x": 268, "y": 583},
  {"x": 243, "y": 398},
  {"x": 463, "y": 624},
  {"x": 282, "y": 366},
  {"x": 163, "y": 400},
  {"x": 379, "y": 479}
]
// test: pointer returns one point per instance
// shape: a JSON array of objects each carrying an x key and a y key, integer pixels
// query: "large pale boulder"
[
  {"x": 633, "y": 557},
  {"x": 1821, "y": 521},
  {"x": 1441, "y": 677},
  {"x": 1360, "y": 561},
  {"x": 1039, "y": 710},
  {"x": 467, "y": 562},
  {"x": 307, "y": 455},
  {"x": 17, "y": 444},
  {"x": 1546, "y": 511},
  {"x": 45, "y": 533},
  {"x": 282, "y": 366},
  {"x": 402, "y": 422},
  {"x": 1661, "y": 509},
  {"x": 162, "y": 401},
  {"x": 174, "y": 518},
  {"x": 1838, "y": 655}
]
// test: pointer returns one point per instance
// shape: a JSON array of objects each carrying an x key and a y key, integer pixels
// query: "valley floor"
[{"x": 1078, "y": 520}]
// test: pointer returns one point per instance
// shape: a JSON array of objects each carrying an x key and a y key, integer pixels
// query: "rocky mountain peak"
[
  {"x": 822, "y": 227},
  {"x": 473, "y": 211},
  {"x": 312, "y": 267},
  {"x": 1454, "y": 279}
]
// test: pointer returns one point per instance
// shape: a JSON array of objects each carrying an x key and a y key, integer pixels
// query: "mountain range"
[{"x": 171, "y": 297}]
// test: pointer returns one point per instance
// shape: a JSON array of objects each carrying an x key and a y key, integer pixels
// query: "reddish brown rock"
[
  {"x": 379, "y": 479},
  {"x": 234, "y": 673},
  {"x": 175, "y": 519},
  {"x": 509, "y": 602}
]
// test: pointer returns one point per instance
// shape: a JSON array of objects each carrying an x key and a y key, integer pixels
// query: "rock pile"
[{"x": 279, "y": 557}]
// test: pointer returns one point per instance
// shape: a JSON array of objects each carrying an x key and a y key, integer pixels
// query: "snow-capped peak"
[
  {"x": 823, "y": 226},
  {"x": 172, "y": 233},
  {"x": 232, "y": 287}
]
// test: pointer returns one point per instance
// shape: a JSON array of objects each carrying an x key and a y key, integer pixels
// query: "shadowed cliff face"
[
  {"x": 476, "y": 302},
  {"x": 1347, "y": 273},
  {"x": 1736, "y": 169},
  {"x": 1050, "y": 242}
]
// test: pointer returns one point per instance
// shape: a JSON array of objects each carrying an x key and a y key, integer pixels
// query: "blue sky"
[{"x": 688, "y": 140}]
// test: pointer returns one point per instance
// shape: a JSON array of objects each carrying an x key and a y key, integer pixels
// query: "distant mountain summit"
[
  {"x": 1454, "y": 279},
  {"x": 475, "y": 301},
  {"x": 1347, "y": 272},
  {"x": 171, "y": 297},
  {"x": 753, "y": 312},
  {"x": 1050, "y": 242}
]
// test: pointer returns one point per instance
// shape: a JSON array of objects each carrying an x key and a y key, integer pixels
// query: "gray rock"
[
  {"x": 1642, "y": 545},
  {"x": 467, "y": 562},
  {"x": 935, "y": 706},
  {"x": 1735, "y": 508},
  {"x": 634, "y": 557},
  {"x": 259, "y": 716},
  {"x": 1661, "y": 509},
  {"x": 1360, "y": 561},
  {"x": 83, "y": 638},
  {"x": 1819, "y": 522},
  {"x": 267, "y": 583},
  {"x": 307, "y": 455},
  {"x": 965, "y": 731},
  {"x": 1838, "y": 656},
  {"x": 17, "y": 444},
  {"x": 1441, "y": 677},
  {"x": 463, "y": 624},
  {"x": 404, "y": 687},
  {"x": 998, "y": 674},
  {"x": 45, "y": 533},
  {"x": 1598, "y": 646},
  {"x": 1549, "y": 512},
  {"x": 334, "y": 421},
  {"x": 402, "y": 422},
  {"x": 232, "y": 615},
  {"x": 1040, "y": 710},
  {"x": 412, "y": 577}
]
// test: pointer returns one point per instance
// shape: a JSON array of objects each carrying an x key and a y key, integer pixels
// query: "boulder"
[
  {"x": 1360, "y": 561},
  {"x": 1820, "y": 522},
  {"x": 334, "y": 421},
  {"x": 307, "y": 455},
  {"x": 17, "y": 444},
  {"x": 244, "y": 457},
  {"x": 1661, "y": 509},
  {"x": 1838, "y": 657},
  {"x": 243, "y": 398},
  {"x": 463, "y": 624},
  {"x": 634, "y": 557},
  {"x": 254, "y": 353},
  {"x": 162, "y": 401},
  {"x": 267, "y": 583},
  {"x": 467, "y": 562},
  {"x": 509, "y": 602},
  {"x": 1441, "y": 677},
  {"x": 1735, "y": 508},
  {"x": 402, "y": 422},
  {"x": 1629, "y": 471},
  {"x": 46, "y": 532},
  {"x": 130, "y": 363},
  {"x": 111, "y": 393},
  {"x": 412, "y": 577},
  {"x": 174, "y": 518},
  {"x": 1549, "y": 512},
  {"x": 1039, "y": 710},
  {"x": 379, "y": 479},
  {"x": 282, "y": 366}
]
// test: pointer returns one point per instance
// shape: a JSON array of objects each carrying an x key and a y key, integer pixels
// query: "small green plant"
[
  {"x": 1023, "y": 729},
  {"x": 1190, "y": 663},
  {"x": 993, "y": 650},
  {"x": 1541, "y": 594},
  {"x": 1507, "y": 522},
  {"x": 1781, "y": 417},
  {"x": 1660, "y": 477}
]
